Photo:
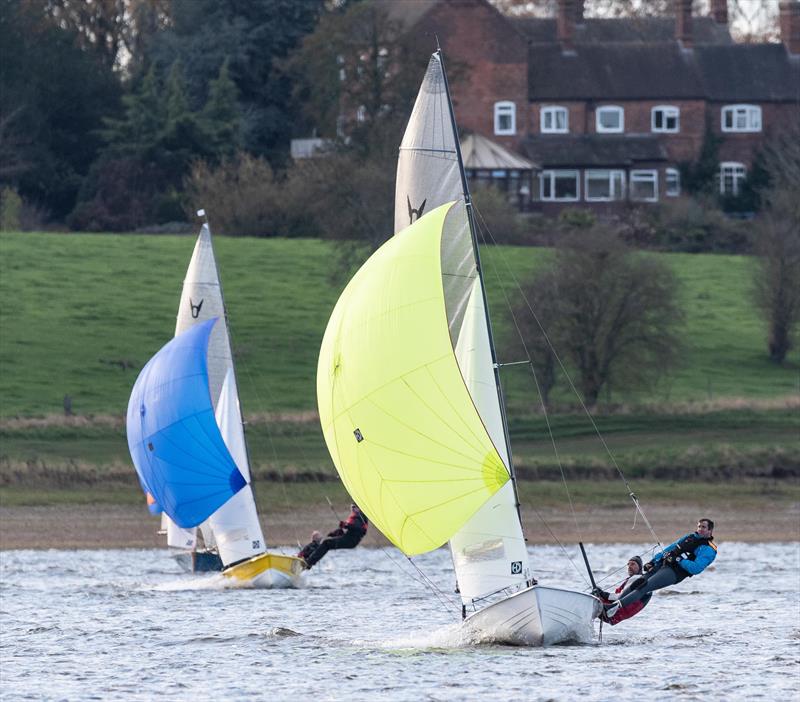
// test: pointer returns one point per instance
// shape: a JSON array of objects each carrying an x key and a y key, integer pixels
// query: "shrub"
[
  {"x": 244, "y": 197},
  {"x": 499, "y": 215},
  {"x": 10, "y": 210}
]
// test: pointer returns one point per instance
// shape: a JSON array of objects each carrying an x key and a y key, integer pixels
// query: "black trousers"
[
  {"x": 663, "y": 577},
  {"x": 348, "y": 540}
]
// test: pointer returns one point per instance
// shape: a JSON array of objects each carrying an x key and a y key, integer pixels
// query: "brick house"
[{"x": 609, "y": 108}]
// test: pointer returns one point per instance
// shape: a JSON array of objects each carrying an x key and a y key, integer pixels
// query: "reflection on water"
[{"x": 129, "y": 624}]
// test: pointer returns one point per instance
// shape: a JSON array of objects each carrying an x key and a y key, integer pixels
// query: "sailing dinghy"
[
  {"x": 410, "y": 399},
  {"x": 171, "y": 458}
]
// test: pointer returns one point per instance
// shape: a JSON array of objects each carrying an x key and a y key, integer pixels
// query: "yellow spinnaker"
[{"x": 397, "y": 417}]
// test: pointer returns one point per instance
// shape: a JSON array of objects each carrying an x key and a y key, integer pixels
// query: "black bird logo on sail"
[
  {"x": 412, "y": 211},
  {"x": 195, "y": 308}
]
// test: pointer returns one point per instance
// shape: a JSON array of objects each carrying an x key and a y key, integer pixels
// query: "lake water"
[{"x": 128, "y": 624}]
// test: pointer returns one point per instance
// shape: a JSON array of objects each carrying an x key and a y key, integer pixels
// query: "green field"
[{"x": 82, "y": 313}]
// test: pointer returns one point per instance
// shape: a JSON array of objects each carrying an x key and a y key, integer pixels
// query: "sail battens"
[{"x": 422, "y": 150}]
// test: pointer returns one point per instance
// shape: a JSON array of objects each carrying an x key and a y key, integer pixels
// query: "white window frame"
[
  {"x": 666, "y": 111},
  {"x": 502, "y": 109},
  {"x": 609, "y": 108},
  {"x": 609, "y": 173},
  {"x": 644, "y": 176},
  {"x": 751, "y": 115},
  {"x": 738, "y": 173},
  {"x": 674, "y": 175},
  {"x": 551, "y": 176},
  {"x": 553, "y": 111}
]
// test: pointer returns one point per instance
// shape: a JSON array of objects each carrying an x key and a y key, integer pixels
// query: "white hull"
[{"x": 537, "y": 616}]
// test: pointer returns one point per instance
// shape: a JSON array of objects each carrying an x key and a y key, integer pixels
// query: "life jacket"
[
  {"x": 357, "y": 521},
  {"x": 686, "y": 549}
]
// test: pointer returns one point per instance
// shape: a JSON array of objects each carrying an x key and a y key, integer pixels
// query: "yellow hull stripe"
[{"x": 249, "y": 569}]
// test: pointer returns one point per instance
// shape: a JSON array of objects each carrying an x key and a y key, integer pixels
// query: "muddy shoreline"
[{"x": 129, "y": 526}]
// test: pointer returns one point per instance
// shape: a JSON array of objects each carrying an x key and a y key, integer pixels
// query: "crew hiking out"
[
  {"x": 690, "y": 555},
  {"x": 348, "y": 535}
]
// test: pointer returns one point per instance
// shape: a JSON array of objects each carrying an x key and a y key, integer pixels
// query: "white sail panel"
[
  {"x": 235, "y": 525},
  {"x": 201, "y": 299},
  {"x": 489, "y": 551},
  {"x": 229, "y": 421},
  {"x": 427, "y": 166},
  {"x": 180, "y": 538}
]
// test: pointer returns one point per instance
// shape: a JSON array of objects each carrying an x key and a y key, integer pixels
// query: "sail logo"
[
  {"x": 195, "y": 308},
  {"x": 359, "y": 436},
  {"x": 418, "y": 211},
  {"x": 516, "y": 567}
]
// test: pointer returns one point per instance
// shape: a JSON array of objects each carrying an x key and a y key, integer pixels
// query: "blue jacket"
[{"x": 703, "y": 556}]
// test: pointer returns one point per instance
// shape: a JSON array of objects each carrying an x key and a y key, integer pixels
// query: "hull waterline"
[
  {"x": 537, "y": 616},
  {"x": 267, "y": 570},
  {"x": 199, "y": 561}
]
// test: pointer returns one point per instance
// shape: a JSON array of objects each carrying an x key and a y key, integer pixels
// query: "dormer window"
[
  {"x": 741, "y": 118},
  {"x": 505, "y": 118},
  {"x": 610, "y": 119},
  {"x": 554, "y": 120},
  {"x": 665, "y": 118}
]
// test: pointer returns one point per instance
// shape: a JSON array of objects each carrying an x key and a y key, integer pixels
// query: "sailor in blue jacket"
[{"x": 688, "y": 556}]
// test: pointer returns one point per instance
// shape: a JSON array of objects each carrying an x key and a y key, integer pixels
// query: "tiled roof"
[
  {"x": 663, "y": 70},
  {"x": 593, "y": 150},
  {"x": 749, "y": 72},
  {"x": 624, "y": 29}
]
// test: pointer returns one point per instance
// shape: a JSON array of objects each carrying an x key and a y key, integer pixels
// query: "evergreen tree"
[{"x": 220, "y": 116}]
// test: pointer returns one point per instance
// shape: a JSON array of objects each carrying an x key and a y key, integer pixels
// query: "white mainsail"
[
  {"x": 234, "y": 528},
  {"x": 489, "y": 551}
]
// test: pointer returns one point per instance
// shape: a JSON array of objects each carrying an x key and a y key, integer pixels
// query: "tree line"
[{"x": 117, "y": 115}]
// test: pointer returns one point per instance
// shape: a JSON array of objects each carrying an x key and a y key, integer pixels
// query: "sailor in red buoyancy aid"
[
  {"x": 634, "y": 575},
  {"x": 348, "y": 535}
]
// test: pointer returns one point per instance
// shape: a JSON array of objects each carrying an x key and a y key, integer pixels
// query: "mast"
[
  {"x": 202, "y": 213},
  {"x": 476, "y": 252}
]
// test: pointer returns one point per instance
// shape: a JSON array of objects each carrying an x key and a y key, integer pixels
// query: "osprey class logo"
[
  {"x": 195, "y": 308},
  {"x": 418, "y": 211}
]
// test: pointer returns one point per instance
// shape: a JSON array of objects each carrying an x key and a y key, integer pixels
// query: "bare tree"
[
  {"x": 777, "y": 282},
  {"x": 612, "y": 312},
  {"x": 777, "y": 275}
]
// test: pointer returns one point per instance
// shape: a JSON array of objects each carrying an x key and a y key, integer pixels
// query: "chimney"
[
  {"x": 790, "y": 25},
  {"x": 565, "y": 24},
  {"x": 719, "y": 11},
  {"x": 683, "y": 22}
]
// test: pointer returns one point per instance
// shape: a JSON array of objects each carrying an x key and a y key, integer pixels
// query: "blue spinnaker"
[{"x": 173, "y": 436}]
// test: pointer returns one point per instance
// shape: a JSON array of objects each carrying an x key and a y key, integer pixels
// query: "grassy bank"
[
  {"x": 80, "y": 314},
  {"x": 77, "y": 455}
]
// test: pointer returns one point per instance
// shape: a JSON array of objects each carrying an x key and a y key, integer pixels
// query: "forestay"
[
  {"x": 396, "y": 414},
  {"x": 489, "y": 551}
]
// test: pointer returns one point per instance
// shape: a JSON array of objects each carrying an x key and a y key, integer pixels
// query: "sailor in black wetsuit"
[
  {"x": 311, "y": 546},
  {"x": 688, "y": 556},
  {"x": 348, "y": 535}
]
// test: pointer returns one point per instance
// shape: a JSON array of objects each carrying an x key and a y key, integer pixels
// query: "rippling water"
[{"x": 129, "y": 624}]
